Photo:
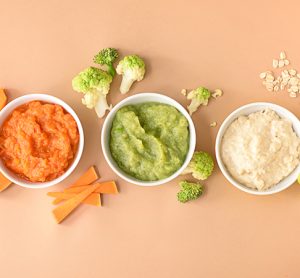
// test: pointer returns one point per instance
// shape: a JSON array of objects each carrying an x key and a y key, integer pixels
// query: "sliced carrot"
[
  {"x": 88, "y": 177},
  {"x": 61, "y": 212},
  {"x": 108, "y": 187},
  {"x": 93, "y": 199},
  {"x": 3, "y": 98},
  {"x": 4, "y": 183},
  {"x": 56, "y": 201}
]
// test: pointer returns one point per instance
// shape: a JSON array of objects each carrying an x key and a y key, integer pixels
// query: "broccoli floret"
[
  {"x": 94, "y": 83},
  {"x": 189, "y": 191},
  {"x": 201, "y": 166},
  {"x": 132, "y": 68},
  {"x": 199, "y": 96},
  {"x": 107, "y": 56}
]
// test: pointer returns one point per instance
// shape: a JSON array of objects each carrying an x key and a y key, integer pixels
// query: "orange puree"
[{"x": 38, "y": 141}]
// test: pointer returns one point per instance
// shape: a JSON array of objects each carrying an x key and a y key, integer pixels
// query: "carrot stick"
[
  {"x": 88, "y": 177},
  {"x": 61, "y": 212},
  {"x": 3, "y": 98},
  {"x": 108, "y": 187},
  {"x": 4, "y": 183},
  {"x": 93, "y": 199}
]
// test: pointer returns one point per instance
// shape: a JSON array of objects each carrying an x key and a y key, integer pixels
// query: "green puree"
[{"x": 149, "y": 141}]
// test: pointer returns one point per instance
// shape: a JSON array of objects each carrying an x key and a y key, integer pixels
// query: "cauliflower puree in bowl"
[{"x": 258, "y": 148}]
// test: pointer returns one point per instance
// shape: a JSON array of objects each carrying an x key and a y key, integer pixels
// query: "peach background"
[{"x": 145, "y": 232}]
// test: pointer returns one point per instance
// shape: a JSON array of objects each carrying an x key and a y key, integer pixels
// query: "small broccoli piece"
[
  {"x": 199, "y": 96},
  {"x": 107, "y": 56},
  {"x": 298, "y": 179},
  {"x": 94, "y": 83},
  {"x": 132, "y": 68},
  {"x": 189, "y": 191},
  {"x": 201, "y": 166}
]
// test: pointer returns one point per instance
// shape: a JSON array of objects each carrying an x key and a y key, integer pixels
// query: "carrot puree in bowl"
[{"x": 38, "y": 141}]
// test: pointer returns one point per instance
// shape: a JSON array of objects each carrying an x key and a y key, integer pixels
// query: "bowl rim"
[
  {"x": 105, "y": 131},
  {"x": 233, "y": 116},
  {"x": 11, "y": 106}
]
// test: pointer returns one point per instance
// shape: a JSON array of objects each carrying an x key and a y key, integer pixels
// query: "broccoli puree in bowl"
[{"x": 149, "y": 141}]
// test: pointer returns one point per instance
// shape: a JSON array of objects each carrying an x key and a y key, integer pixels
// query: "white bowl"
[
  {"x": 246, "y": 110},
  {"x": 142, "y": 98},
  {"x": 9, "y": 108}
]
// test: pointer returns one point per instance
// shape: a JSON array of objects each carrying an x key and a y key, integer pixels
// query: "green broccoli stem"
[{"x": 111, "y": 70}]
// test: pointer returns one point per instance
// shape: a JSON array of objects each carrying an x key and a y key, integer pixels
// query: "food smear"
[
  {"x": 38, "y": 141},
  {"x": 261, "y": 149},
  {"x": 149, "y": 141}
]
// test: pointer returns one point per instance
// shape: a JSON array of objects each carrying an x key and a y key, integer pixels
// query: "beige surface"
[{"x": 145, "y": 232}]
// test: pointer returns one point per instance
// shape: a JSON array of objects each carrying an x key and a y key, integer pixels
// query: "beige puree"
[{"x": 261, "y": 149}]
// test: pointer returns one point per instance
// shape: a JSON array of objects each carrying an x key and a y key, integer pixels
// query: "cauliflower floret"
[
  {"x": 201, "y": 166},
  {"x": 189, "y": 191},
  {"x": 199, "y": 96},
  {"x": 94, "y": 83},
  {"x": 132, "y": 68}
]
